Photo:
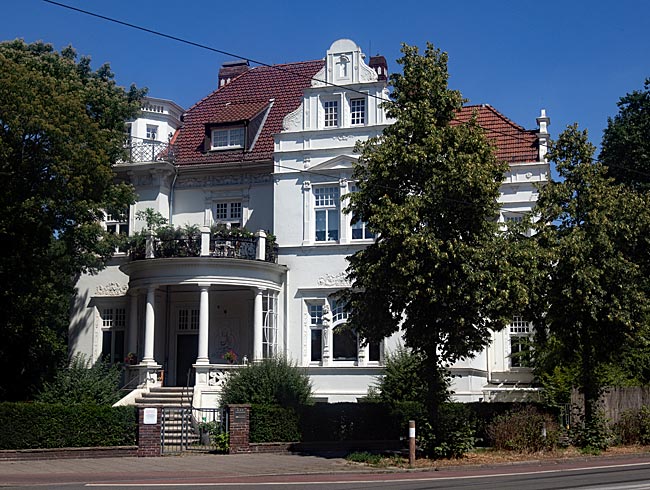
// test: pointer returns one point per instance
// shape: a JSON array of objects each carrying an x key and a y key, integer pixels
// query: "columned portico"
[
  {"x": 258, "y": 326},
  {"x": 149, "y": 327},
  {"x": 204, "y": 325}
]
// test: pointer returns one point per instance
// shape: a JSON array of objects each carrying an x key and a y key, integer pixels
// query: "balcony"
[
  {"x": 140, "y": 150},
  {"x": 203, "y": 242}
]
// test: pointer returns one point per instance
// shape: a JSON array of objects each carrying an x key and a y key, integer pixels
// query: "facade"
[{"x": 271, "y": 151}]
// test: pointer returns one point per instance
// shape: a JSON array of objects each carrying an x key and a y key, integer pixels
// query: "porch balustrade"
[
  {"x": 140, "y": 150},
  {"x": 249, "y": 248}
]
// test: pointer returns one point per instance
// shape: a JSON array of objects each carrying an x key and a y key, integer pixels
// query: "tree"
[
  {"x": 429, "y": 190},
  {"x": 61, "y": 129},
  {"x": 594, "y": 234},
  {"x": 626, "y": 140}
]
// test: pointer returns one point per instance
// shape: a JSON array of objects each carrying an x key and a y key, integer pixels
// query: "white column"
[
  {"x": 257, "y": 325},
  {"x": 204, "y": 324},
  {"x": 132, "y": 345},
  {"x": 260, "y": 251},
  {"x": 149, "y": 324}
]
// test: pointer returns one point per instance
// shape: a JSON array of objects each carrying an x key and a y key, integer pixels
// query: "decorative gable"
[
  {"x": 338, "y": 163},
  {"x": 344, "y": 65}
]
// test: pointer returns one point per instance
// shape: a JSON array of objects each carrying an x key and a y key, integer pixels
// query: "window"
[
  {"x": 113, "y": 327},
  {"x": 228, "y": 213},
  {"x": 327, "y": 213},
  {"x": 118, "y": 225},
  {"x": 521, "y": 332},
  {"x": 331, "y": 113},
  {"x": 269, "y": 325},
  {"x": 346, "y": 344},
  {"x": 227, "y": 138},
  {"x": 358, "y": 111},
  {"x": 360, "y": 229},
  {"x": 315, "y": 311},
  {"x": 152, "y": 132},
  {"x": 188, "y": 320}
]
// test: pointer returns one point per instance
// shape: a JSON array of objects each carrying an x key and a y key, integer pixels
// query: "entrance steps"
[{"x": 167, "y": 396}]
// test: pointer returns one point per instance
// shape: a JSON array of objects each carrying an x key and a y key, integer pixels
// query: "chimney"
[
  {"x": 232, "y": 69},
  {"x": 379, "y": 64},
  {"x": 543, "y": 136}
]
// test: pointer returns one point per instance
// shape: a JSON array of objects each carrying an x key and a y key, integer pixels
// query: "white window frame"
[
  {"x": 331, "y": 113},
  {"x": 328, "y": 206},
  {"x": 229, "y": 213},
  {"x": 112, "y": 318},
  {"x": 270, "y": 330},
  {"x": 187, "y": 319},
  {"x": 234, "y": 138},
  {"x": 518, "y": 330},
  {"x": 358, "y": 114},
  {"x": 152, "y": 132},
  {"x": 118, "y": 225}
]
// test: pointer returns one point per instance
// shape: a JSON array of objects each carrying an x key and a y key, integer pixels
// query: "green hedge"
[
  {"x": 42, "y": 425},
  {"x": 272, "y": 423}
]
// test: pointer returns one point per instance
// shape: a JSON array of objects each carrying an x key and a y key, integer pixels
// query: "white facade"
[{"x": 178, "y": 313}]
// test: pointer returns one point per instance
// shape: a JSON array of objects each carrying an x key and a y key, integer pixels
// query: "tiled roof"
[
  {"x": 243, "y": 98},
  {"x": 514, "y": 143}
]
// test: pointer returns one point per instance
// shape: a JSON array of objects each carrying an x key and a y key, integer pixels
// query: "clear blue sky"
[{"x": 573, "y": 58}]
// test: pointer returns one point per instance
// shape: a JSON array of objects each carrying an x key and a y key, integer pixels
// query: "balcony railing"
[
  {"x": 205, "y": 244},
  {"x": 140, "y": 150}
]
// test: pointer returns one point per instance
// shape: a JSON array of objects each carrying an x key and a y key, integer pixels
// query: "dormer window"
[
  {"x": 357, "y": 112},
  {"x": 227, "y": 138},
  {"x": 331, "y": 113}
]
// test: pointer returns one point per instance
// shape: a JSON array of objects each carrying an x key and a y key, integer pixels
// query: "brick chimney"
[
  {"x": 379, "y": 64},
  {"x": 232, "y": 69}
]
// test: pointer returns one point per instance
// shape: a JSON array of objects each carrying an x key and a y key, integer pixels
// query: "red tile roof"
[
  {"x": 514, "y": 143},
  {"x": 243, "y": 98}
]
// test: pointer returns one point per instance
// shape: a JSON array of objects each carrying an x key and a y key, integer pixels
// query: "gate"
[{"x": 191, "y": 429}]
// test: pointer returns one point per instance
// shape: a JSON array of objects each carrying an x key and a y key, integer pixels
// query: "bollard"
[{"x": 411, "y": 442}]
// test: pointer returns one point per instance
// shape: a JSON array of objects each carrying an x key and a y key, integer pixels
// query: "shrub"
[
  {"x": 634, "y": 427},
  {"x": 272, "y": 423},
  {"x": 41, "y": 425},
  {"x": 364, "y": 457},
  {"x": 83, "y": 382},
  {"x": 273, "y": 381},
  {"x": 592, "y": 438},
  {"x": 401, "y": 379},
  {"x": 450, "y": 435},
  {"x": 525, "y": 430}
]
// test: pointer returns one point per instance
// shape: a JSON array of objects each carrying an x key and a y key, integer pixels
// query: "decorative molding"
[
  {"x": 367, "y": 74},
  {"x": 217, "y": 377},
  {"x": 111, "y": 289},
  {"x": 213, "y": 181},
  {"x": 319, "y": 79},
  {"x": 342, "y": 137},
  {"x": 306, "y": 185},
  {"x": 330, "y": 280},
  {"x": 293, "y": 121}
]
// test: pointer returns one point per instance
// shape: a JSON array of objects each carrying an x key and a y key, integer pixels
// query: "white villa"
[{"x": 271, "y": 151}]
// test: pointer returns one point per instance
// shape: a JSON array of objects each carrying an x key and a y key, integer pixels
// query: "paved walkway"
[{"x": 226, "y": 467}]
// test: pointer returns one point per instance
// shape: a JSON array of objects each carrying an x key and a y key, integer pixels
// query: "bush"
[
  {"x": 401, "y": 379},
  {"x": 592, "y": 438},
  {"x": 272, "y": 423},
  {"x": 41, "y": 426},
  {"x": 525, "y": 430},
  {"x": 450, "y": 435},
  {"x": 273, "y": 381},
  {"x": 634, "y": 427},
  {"x": 84, "y": 383}
]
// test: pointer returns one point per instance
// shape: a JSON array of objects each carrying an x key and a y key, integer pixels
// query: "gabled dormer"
[{"x": 236, "y": 126}]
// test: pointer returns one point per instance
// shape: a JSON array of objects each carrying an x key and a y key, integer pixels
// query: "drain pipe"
[{"x": 171, "y": 195}]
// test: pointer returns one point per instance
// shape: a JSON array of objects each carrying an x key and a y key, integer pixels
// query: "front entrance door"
[{"x": 187, "y": 349}]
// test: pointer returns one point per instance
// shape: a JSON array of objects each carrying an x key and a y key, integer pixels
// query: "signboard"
[
  {"x": 150, "y": 416},
  {"x": 240, "y": 414}
]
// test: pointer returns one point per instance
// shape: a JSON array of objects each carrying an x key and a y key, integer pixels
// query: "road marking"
[{"x": 394, "y": 480}]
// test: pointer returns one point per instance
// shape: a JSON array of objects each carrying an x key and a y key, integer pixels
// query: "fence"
[
  {"x": 191, "y": 429},
  {"x": 615, "y": 401}
]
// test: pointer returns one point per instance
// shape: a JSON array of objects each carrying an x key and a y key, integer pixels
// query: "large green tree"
[
  {"x": 626, "y": 140},
  {"x": 428, "y": 188},
  {"x": 61, "y": 129},
  {"x": 594, "y": 237}
]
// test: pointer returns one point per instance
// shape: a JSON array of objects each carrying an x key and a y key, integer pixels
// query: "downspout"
[{"x": 171, "y": 195}]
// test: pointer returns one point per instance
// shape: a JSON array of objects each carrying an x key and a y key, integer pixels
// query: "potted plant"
[{"x": 230, "y": 356}]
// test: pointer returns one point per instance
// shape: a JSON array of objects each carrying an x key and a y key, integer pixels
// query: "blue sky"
[{"x": 573, "y": 58}]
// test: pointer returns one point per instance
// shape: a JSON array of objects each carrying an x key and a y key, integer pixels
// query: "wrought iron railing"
[
  {"x": 140, "y": 150},
  {"x": 234, "y": 247}
]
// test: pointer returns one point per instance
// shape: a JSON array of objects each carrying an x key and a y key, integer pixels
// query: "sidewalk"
[{"x": 227, "y": 467}]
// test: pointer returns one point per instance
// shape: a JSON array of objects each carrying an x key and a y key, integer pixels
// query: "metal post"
[{"x": 411, "y": 442}]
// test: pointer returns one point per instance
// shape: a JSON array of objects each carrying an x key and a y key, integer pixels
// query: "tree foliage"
[
  {"x": 594, "y": 235},
  {"x": 428, "y": 188},
  {"x": 626, "y": 140},
  {"x": 61, "y": 129}
]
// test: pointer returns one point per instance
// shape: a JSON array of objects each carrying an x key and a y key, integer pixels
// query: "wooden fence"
[{"x": 615, "y": 401}]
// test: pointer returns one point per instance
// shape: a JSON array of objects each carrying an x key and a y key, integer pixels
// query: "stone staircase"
[
  {"x": 172, "y": 400},
  {"x": 168, "y": 396}
]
